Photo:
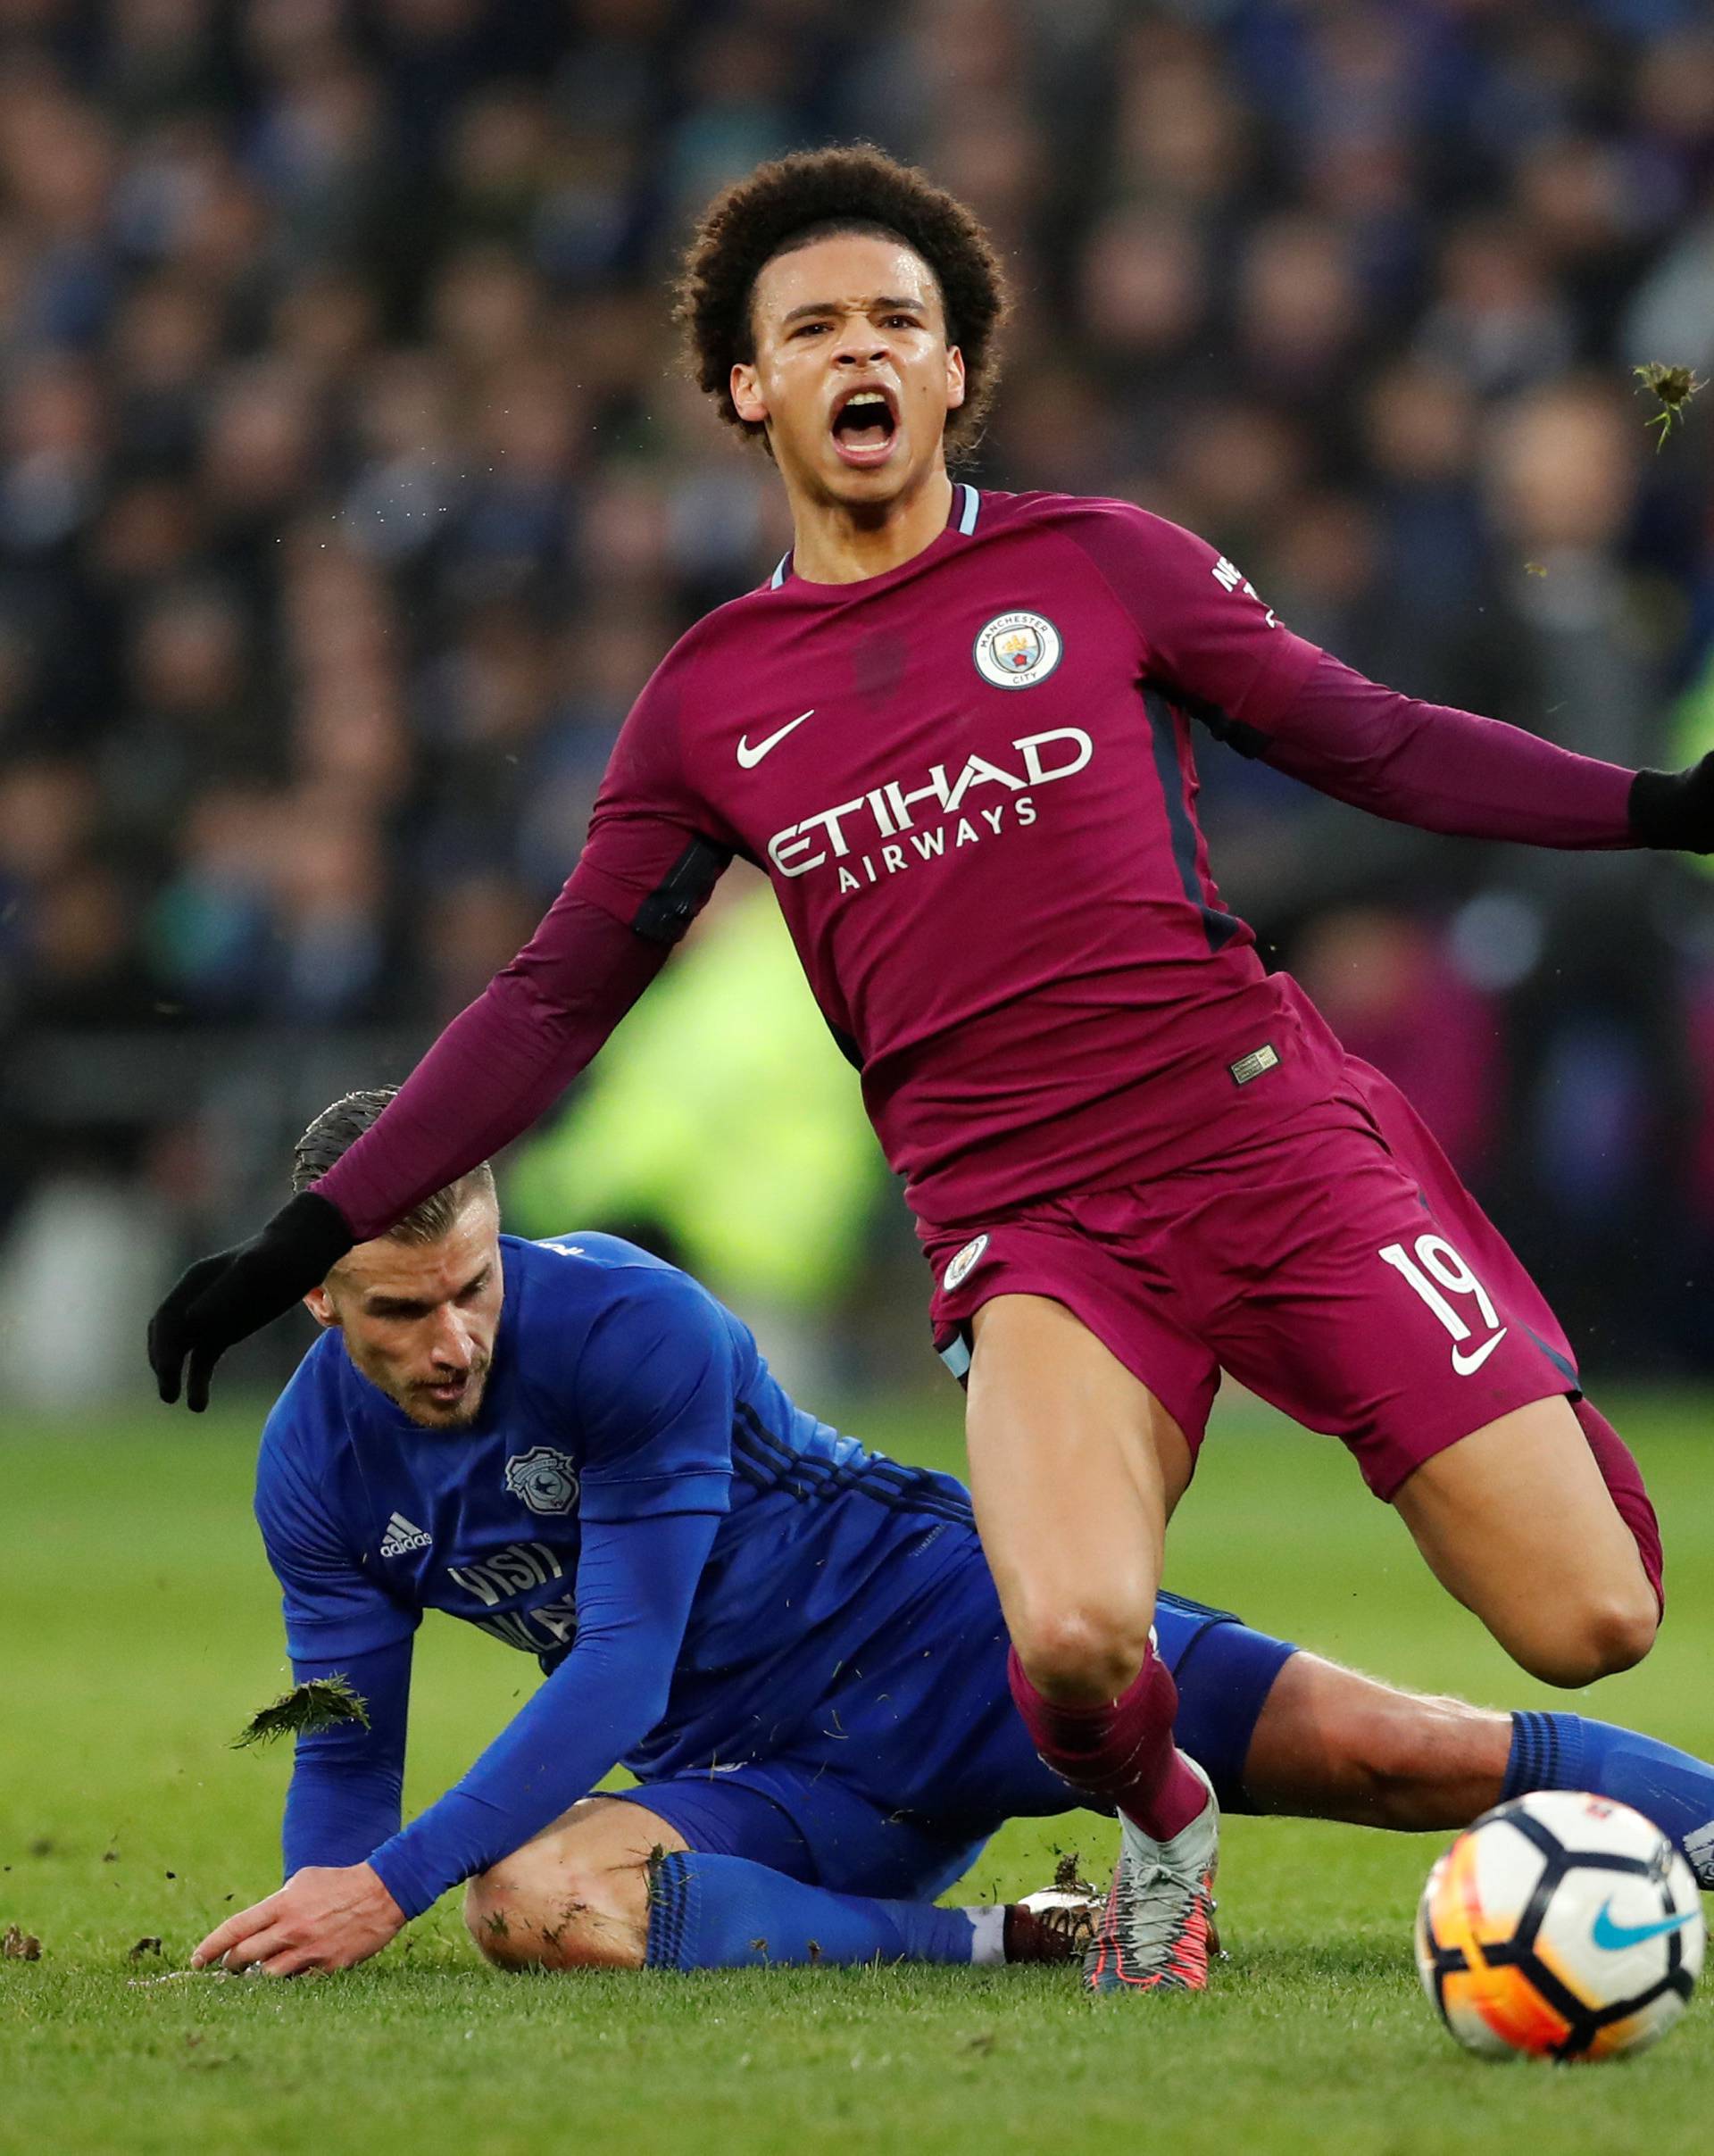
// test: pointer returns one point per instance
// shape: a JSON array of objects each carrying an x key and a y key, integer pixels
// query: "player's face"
[
  {"x": 852, "y": 376},
  {"x": 419, "y": 1319}
]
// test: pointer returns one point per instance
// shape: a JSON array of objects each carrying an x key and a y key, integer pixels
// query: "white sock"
[{"x": 988, "y": 1928}]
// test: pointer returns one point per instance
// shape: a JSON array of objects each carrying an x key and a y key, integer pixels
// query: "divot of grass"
[
  {"x": 1673, "y": 387},
  {"x": 323, "y": 1702},
  {"x": 1068, "y": 1874}
]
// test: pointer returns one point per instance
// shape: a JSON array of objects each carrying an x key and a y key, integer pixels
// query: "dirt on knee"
[{"x": 574, "y": 1923}]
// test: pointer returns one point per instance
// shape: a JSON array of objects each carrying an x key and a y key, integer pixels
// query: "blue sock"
[
  {"x": 1676, "y": 1791},
  {"x": 725, "y": 1913}
]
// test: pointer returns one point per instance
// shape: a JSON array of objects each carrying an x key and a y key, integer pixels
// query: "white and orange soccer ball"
[{"x": 1561, "y": 1926}]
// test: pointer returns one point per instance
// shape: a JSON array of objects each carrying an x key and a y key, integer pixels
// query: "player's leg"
[
  {"x": 578, "y": 1895},
  {"x": 664, "y": 1884},
  {"x": 1537, "y": 1520},
  {"x": 790, "y": 1864},
  {"x": 1075, "y": 1469},
  {"x": 1331, "y": 1745},
  {"x": 929, "y": 1760},
  {"x": 1346, "y": 1275},
  {"x": 1517, "y": 1521}
]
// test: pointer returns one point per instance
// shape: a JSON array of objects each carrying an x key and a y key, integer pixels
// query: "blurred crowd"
[{"x": 349, "y": 492}]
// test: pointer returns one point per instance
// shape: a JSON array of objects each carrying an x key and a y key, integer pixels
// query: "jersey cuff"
[{"x": 413, "y": 1890}]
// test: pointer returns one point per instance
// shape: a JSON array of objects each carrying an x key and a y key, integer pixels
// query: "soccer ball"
[{"x": 1562, "y": 1925}]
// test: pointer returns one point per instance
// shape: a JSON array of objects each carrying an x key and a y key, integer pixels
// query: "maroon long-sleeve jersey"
[{"x": 970, "y": 782}]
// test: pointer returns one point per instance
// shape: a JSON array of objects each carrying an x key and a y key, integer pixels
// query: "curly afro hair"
[{"x": 813, "y": 195}]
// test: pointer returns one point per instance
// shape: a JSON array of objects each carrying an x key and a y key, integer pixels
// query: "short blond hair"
[{"x": 339, "y": 1128}]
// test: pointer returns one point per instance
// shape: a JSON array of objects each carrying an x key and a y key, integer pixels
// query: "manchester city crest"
[
  {"x": 964, "y": 1264},
  {"x": 1017, "y": 650},
  {"x": 546, "y": 1480}
]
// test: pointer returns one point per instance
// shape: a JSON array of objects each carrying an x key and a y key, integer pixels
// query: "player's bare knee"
[
  {"x": 1082, "y": 1652},
  {"x": 1605, "y": 1633},
  {"x": 532, "y": 1915}
]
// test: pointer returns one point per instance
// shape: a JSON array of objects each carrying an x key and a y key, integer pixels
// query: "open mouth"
[{"x": 865, "y": 427}]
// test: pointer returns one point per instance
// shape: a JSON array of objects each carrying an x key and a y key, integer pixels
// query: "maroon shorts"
[{"x": 1339, "y": 1269}]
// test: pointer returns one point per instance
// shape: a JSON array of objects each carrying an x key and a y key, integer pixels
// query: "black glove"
[
  {"x": 236, "y": 1292},
  {"x": 1675, "y": 809}
]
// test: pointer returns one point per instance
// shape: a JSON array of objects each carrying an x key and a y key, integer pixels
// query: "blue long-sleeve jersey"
[{"x": 690, "y": 1556}]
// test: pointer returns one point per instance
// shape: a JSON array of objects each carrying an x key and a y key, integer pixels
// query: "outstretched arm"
[
  {"x": 346, "y": 1778},
  {"x": 500, "y": 1064},
  {"x": 344, "y": 1798},
  {"x": 646, "y": 872},
  {"x": 636, "y": 1581},
  {"x": 343, "y": 1802},
  {"x": 1208, "y": 641},
  {"x": 1435, "y": 767},
  {"x": 652, "y": 1388},
  {"x": 348, "y": 1781}
]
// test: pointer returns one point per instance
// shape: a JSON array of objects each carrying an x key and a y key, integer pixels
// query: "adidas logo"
[{"x": 402, "y": 1535}]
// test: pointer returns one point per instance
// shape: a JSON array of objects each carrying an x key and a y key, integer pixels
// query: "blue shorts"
[{"x": 917, "y": 1753}]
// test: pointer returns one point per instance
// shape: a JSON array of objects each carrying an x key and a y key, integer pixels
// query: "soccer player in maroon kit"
[{"x": 955, "y": 728}]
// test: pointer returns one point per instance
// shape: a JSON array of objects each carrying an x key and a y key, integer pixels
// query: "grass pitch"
[{"x": 140, "y": 1634}]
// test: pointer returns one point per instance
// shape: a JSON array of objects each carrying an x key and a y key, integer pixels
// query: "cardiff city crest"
[{"x": 546, "y": 1480}]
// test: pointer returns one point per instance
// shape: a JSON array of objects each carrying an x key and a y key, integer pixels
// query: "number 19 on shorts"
[{"x": 1436, "y": 1272}]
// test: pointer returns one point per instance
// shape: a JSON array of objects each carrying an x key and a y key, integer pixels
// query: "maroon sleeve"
[
  {"x": 1438, "y": 768},
  {"x": 1213, "y": 645},
  {"x": 646, "y": 873},
  {"x": 1204, "y": 636}
]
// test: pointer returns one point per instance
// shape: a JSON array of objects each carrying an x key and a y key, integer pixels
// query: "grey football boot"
[{"x": 1157, "y": 1931}]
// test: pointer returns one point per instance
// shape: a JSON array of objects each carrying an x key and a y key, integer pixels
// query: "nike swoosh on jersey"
[
  {"x": 1465, "y": 1364},
  {"x": 1612, "y": 1937},
  {"x": 748, "y": 757}
]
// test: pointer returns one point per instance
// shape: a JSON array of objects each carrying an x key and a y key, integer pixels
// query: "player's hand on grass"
[
  {"x": 324, "y": 1916},
  {"x": 1675, "y": 809},
  {"x": 224, "y": 1298}
]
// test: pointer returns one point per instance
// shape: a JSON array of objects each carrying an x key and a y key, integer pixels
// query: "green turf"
[{"x": 139, "y": 1635}]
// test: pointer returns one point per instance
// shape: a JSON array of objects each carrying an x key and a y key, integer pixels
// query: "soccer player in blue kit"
[{"x": 794, "y": 1643}]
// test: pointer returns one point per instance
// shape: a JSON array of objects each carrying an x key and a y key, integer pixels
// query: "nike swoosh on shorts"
[
  {"x": 748, "y": 757},
  {"x": 1465, "y": 1364}
]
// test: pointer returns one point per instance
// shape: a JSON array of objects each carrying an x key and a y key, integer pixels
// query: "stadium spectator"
[{"x": 347, "y": 494}]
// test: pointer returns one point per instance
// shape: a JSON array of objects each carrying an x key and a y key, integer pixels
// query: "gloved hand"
[
  {"x": 235, "y": 1293},
  {"x": 1675, "y": 809}
]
